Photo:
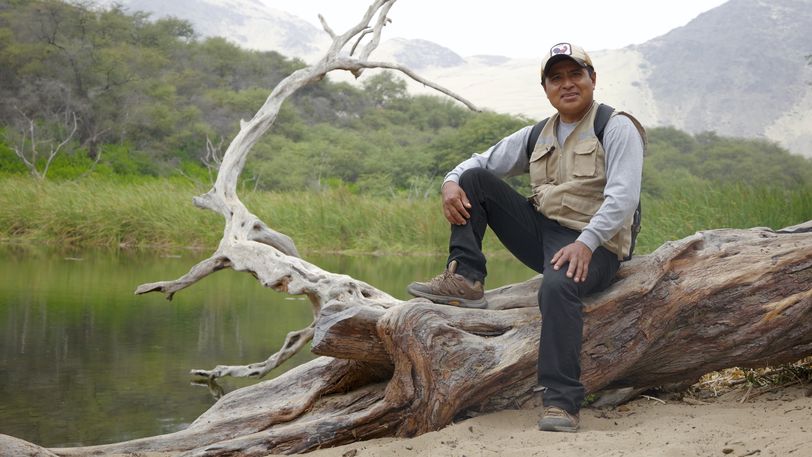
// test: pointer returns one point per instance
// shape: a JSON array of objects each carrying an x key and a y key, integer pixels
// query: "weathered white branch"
[
  {"x": 354, "y": 66},
  {"x": 16, "y": 447},
  {"x": 358, "y": 42},
  {"x": 20, "y": 150},
  {"x": 248, "y": 244},
  {"x": 213, "y": 156},
  {"x": 30, "y": 131},
  {"x": 264, "y": 234},
  {"x": 55, "y": 151},
  {"x": 327, "y": 27},
  {"x": 294, "y": 342},
  {"x": 198, "y": 272},
  {"x": 340, "y": 41},
  {"x": 376, "y": 31}
]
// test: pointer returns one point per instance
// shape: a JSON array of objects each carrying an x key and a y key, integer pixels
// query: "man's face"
[{"x": 569, "y": 87}]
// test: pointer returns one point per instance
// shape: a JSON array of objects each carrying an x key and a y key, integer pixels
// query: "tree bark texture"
[{"x": 712, "y": 300}]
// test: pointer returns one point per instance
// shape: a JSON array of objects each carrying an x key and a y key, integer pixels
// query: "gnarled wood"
[
  {"x": 248, "y": 244},
  {"x": 19, "y": 448},
  {"x": 709, "y": 301}
]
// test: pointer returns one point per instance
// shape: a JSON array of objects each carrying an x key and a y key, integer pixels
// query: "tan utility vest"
[{"x": 568, "y": 180}]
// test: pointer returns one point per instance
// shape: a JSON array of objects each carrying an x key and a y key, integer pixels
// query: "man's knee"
[
  {"x": 475, "y": 177},
  {"x": 556, "y": 281},
  {"x": 559, "y": 291}
]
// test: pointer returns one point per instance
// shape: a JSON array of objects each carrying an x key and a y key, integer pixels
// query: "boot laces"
[
  {"x": 555, "y": 411},
  {"x": 442, "y": 279}
]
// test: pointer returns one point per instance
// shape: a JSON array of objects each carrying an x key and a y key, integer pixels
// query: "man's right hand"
[{"x": 455, "y": 203}]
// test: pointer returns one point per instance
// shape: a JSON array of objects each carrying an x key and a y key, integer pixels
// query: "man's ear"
[{"x": 594, "y": 78}]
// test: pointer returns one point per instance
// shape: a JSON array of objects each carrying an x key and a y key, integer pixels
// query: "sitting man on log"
[{"x": 576, "y": 228}]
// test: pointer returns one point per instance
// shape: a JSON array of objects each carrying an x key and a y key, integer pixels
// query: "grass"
[
  {"x": 685, "y": 209},
  {"x": 103, "y": 213},
  {"x": 159, "y": 213}
]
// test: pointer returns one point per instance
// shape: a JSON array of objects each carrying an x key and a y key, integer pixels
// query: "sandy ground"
[
  {"x": 773, "y": 423},
  {"x": 777, "y": 423}
]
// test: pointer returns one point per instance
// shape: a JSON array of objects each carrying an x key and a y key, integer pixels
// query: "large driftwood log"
[{"x": 712, "y": 300}]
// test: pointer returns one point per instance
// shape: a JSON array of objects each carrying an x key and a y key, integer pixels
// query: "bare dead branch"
[
  {"x": 248, "y": 244},
  {"x": 327, "y": 27},
  {"x": 29, "y": 131},
  {"x": 294, "y": 342},
  {"x": 198, "y": 272},
  {"x": 264, "y": 234},
  {"x": 376, "y": 31},
  {"x": 213, "y": 157},
  {"x": 55, "y": 151},
  {"x": 339, "y": 42},
  {"x": 20, "y": 150},
  {"x": 353, "y": 66},
  {"x": 358, "y": 41}
]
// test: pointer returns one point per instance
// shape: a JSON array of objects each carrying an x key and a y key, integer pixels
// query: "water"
[{"x": 85, "y": 361}]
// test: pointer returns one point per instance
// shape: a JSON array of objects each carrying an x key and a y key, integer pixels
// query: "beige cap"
[{"x": 564, "y": 51}]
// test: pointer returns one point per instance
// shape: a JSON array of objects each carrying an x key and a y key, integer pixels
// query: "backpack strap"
[
  {"x": 534, "y": 137},
  {"x": 601, "y": 119}
]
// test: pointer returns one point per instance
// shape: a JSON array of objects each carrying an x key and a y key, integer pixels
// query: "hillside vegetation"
[{"x": 148, "y": 96}]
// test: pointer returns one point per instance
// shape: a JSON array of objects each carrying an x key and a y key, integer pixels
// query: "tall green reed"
[{"x": 159, "y": 213}]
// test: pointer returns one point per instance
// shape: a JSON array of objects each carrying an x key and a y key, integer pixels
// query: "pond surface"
[{"x": 85, "y": 361}]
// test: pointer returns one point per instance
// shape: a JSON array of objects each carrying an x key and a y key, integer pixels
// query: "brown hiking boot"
[
  {"x": 449, "y": 288},
  {"x": 556, "y": 419}
]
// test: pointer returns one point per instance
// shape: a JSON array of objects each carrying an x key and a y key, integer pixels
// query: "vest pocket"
[
  {"x": 538, "y": 165},
  {"x": 580, "y": 209},
  {"x": 585, "y": 159}
]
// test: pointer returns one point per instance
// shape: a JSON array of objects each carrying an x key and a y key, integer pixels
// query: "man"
[{"x": 575, "y": 228}]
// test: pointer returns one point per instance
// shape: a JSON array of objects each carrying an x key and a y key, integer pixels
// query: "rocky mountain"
[
  {"x": 418, "y": 54},
  {"x": 248, "y": 23},
  {"x": 741, "y": 69}
]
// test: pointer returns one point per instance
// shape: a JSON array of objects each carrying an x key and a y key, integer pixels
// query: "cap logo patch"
[{"x": 561, "y": 49}]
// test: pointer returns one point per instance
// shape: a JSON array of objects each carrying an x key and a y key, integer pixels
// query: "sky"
[{"x": 513, "y": 28}]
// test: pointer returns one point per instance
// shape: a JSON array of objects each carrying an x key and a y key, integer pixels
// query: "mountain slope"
[
  {"x": 248, "y": 23},
  {"x": 736, "y": 69}
]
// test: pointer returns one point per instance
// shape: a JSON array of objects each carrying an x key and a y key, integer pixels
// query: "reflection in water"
[
  {"x": 84, "y": 361},
  {"x": 215, "y": 389}
]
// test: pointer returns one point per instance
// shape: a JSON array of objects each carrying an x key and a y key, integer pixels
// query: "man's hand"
[
  {"x": 455, "y": 203},
  {"x": 578, "y": 255}
]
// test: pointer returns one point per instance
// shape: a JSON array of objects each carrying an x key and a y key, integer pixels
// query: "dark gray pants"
[{"x": 534, "y": 239}]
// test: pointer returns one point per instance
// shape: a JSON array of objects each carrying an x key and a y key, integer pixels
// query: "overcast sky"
[{"x": 514, "y": 28}]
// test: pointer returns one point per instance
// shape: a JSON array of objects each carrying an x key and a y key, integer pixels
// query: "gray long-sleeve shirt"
[{"x": 624, "y": 168}]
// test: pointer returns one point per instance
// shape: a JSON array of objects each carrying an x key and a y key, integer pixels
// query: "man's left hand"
[{"x": 578, "y": 255}]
